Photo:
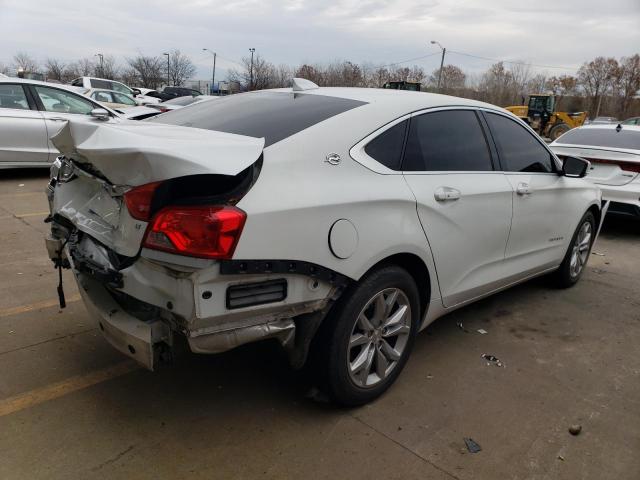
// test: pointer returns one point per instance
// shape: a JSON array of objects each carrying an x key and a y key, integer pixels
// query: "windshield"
[
  {"x": 602, "y": 137},
  {"x": 272, "y": 115}
]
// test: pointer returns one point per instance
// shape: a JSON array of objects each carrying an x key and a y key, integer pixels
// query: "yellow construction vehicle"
[{"x": 540, "y": 114}]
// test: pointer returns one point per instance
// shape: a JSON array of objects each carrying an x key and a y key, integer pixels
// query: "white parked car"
[
  {"x": 112, "y": 99},
  {"x": 148, "y": 111},
  {"x": 31, "y": 112},
  {"x": 614, "y": 153},
  {"x": 140, "y": 94},
  {"x": 339, "y": 221}
]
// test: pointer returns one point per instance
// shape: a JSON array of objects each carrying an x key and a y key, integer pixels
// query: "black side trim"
[{"x": 239, "y": 267}]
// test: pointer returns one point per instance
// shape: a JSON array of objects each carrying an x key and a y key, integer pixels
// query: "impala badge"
[{"x": 333, "y": 159}]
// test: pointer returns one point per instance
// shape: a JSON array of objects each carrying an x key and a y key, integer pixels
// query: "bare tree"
[
  {"x": 596, "y": 78},
  {"x": 453, "y": 78},
  {"x": 628, "y": 82},
  {"x": 54, "y": 69},
  {"x": 149, "y": 70},
  {"x": 4, "y": 69},
  {"x": 561, "y": 87},
  {"x": 181, "y": 68},
  {"x": 24, "y": 61},
  {"x": 108, "y": 69},
  {"x": 264, "y": 73},
  {"x": 310, "y": 72}
]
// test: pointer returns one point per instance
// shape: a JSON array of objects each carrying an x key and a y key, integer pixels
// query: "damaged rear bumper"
[{"x": 145, "y": 342}]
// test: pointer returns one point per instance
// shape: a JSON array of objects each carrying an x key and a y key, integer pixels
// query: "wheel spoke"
[
  {"x": 358, "y": 339},
  {"x": 364, "y": 323},
  {"x": 389, "y": 352},
  {"x": 381, "y": 364},
  {"x": 358, "y": 364},
  {"x": 380, "y": 308},
  {"x": 389, "y": 302},
  {"x": 398, "y": 317},
  {"x": 396, "y": 330}
]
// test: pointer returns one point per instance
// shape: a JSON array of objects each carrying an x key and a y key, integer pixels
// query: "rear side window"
[
  {"x": 386, "y": 148},
  {"x": 272, "y": 115},
  {"x": 519, "y": 150},
  {"x": 101, "y": 84},
  {"x": 450, "y": 140},
  {"x": 12, "y": 96}
]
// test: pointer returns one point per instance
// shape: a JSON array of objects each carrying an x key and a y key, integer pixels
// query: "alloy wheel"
[
  {"x": 379, "y": 337},
  {"x": 580, "y": 250}
]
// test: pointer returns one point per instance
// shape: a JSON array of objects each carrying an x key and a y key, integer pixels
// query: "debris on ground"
[
  {"x": 560, "y": 457},
  {"x": 461, "y": 327},
  {"x": 597, "y": 270},
  {"x": 492, "y": 360},
  {"x": 482, "y": 331},
  {"x": 21, "y": 184},
  {"x": 472, "y": 446},
  {"x": 575, "y": 429},
  {"x": 429, "y": 376},
  {"x": 598, "y": 254}
]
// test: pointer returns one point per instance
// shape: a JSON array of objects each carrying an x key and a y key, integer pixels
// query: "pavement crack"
[
  {"x": 407, "y": 449},
  {"x": 48, "y": 340},
  {"x": 113, "y": 459}
]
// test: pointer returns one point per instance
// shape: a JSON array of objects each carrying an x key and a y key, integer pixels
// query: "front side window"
[
  {"x": 450, "y": 140},
  {"x": 55, "y": 100},
  {"x": 12, "y": 96},
  {"x": 386, "y": 148},
  {"x": 520, "y": 150},
  {"x": 102, "y": 97}
]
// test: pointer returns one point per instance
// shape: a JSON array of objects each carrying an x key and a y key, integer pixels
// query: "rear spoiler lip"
[{"x": 134, "y": 153}]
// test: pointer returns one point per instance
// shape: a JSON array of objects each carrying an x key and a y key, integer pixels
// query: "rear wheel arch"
[{"x": 416, "y": 267}]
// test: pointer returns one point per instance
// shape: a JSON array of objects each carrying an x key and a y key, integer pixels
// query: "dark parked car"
[{"x": 174, "y": 92}]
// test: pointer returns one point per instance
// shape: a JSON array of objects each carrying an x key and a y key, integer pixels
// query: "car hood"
[{"x": 134, "y": 153}]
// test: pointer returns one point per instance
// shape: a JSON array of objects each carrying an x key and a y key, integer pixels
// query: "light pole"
[
  {"x": 213, "y": 76},
  {"x": 251, "y": 69},
  {"x": 167, "y": 68},
  {"x": 444, "y": 51},
  {"x": 101, "y": 63}
]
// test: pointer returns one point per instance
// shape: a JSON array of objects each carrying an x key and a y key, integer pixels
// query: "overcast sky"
[{"x": 561, "y": 33}]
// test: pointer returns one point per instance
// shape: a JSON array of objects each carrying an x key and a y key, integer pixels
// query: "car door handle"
[
  {"x": 523, "y": 189},
  {"x": 58, "y": 119},
  {"x": 444, "y": 194}
]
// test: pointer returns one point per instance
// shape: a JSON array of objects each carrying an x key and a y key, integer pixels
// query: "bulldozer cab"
[{"x": 542, "y": 105}]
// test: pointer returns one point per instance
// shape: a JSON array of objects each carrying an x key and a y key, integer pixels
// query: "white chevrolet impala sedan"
[{"x": 339, "y": 221}]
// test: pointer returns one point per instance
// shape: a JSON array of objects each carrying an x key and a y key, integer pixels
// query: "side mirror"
[
  {"x": 100, "y": 114},
  {"x": 575, "y": 167},
  {"x": 136, "y": 92}
]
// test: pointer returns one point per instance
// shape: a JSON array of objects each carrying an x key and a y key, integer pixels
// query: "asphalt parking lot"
[{"x": 72, "y": 407}]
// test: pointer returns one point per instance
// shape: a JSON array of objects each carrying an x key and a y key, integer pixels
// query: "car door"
[
  {"x": 58, "y": 106},
  {"x": 463, "y": 203},
  {"x": 545, "y": 204},
  {"x": 23, "y": 134}
]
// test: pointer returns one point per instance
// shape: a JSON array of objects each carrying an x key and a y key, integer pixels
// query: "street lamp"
[
  {"x": 213, "y": 76},
  {"x": 251, "y": 69},
  {"x": 167, "y": 68},
  {"x": 101, "y": 63},
  {"x": 444, "y": 51}
]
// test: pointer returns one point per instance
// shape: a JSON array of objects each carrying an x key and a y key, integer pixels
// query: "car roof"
[{"x": 63, "y": 86}]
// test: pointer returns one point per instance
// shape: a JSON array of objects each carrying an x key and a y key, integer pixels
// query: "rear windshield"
[
  {"x": 602, "y": 137},
  {"x": 272, "y": 115}
]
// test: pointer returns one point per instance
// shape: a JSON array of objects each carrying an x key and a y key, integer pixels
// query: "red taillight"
[
  {"x": 139, "y": 199},
  {"x": 197, "y": 231}
]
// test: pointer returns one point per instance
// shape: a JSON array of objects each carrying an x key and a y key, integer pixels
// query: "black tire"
[
  {"x": 558, "y": 130},
  {"x": 566, "y": 276},
  {"x": 334, "y": 356}
]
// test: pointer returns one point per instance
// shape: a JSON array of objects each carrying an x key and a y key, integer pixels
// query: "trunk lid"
[
  {"x": 102, "y": 161},
  {"x": 608, "y": 167}
]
